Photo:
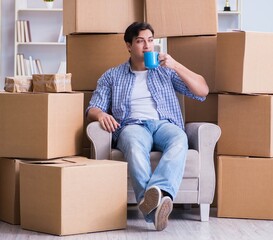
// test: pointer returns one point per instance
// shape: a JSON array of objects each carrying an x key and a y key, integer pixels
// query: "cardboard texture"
[
  {"x": 87, "y": 60},
  {"x": 87, "y": 97},
  {"x": 206, "y": 111},
  {"x": 9, "y": 191},
  {"x": 243, "y": 64},
  {"x": 182, "y": 17},
  {"x": 246, "y": 125},
  {"x": 245, "y": 187},
  {"x": 18, "y": 84},
  {"x": 52, "y": 83},
  {"x": 74, "y": 195},
  {"x": 103, "y": 16},
  {"x": 41, "y": 125},
  {"x": 196, "y": 53}
]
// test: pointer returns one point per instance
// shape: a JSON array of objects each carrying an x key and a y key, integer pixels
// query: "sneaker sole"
[
  {"x": 151, "y": 200},
  {"x": 162, "y": 213}
]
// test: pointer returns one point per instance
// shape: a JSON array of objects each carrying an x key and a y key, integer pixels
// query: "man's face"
[{"x": 144, "y": 42}]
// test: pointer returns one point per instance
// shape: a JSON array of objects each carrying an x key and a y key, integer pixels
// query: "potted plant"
[{"x": 49, "y": 3}]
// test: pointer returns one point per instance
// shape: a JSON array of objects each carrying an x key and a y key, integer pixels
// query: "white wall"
[
  {"x": 257, "y": 15},
  {"x": 7, "y": 26}
]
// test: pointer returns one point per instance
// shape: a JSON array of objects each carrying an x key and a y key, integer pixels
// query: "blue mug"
[{"x": 151, "y": 60}]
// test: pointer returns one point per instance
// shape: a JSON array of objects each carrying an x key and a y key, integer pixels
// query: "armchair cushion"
[{"x": 192, "y": 163}]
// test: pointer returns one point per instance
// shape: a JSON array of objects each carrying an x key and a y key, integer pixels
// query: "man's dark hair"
[{"x": 134, "y": 29}]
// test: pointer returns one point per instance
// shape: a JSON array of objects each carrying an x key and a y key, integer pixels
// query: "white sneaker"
[
  {"x": 162, "y": 213},
  {"x": 151, "y": 200}
]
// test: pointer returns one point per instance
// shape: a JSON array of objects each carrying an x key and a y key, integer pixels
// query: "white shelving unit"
[
  {"x": 229, "y": 20},
  {"x": 45, "y": 26}
]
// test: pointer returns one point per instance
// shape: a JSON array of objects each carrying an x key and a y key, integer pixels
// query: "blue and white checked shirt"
[{"x": 114, "y": 90}]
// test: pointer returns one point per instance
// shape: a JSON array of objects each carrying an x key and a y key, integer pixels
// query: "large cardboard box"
[
  {"x": 101, "y": 16},
  {"x": 196, "y": 53},
  {"x": 87, "y": 60},
  {"x": 246, "y": 122},
  {"x": 207, "y": 111},
  {"x": 245, "y": 187},
  {"x": 244, "y": 62},
  {"x": 9, "y": 191},
  {"x": 73, "y": 195},
  {"x": 41, "y": 125},
  {"x": 182, "y": 17}
]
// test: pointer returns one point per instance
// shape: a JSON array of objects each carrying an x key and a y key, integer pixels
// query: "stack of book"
[
  {"x": 27, "y": 67},
  {"x": 23, "y": 31}
]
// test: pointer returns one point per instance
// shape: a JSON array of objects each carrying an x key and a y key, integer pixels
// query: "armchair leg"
[{"x": 204, "y": 212}]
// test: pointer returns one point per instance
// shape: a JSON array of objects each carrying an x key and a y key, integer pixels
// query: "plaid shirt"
[{"x": 114, "y": 90}]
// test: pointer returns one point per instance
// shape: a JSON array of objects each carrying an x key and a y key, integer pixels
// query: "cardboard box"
[
  {"x": 243, "y": 64},
  {"x": 18, "y": 84},
  {"x": 87, "y": 60},
  {"x": 182, "y": 17},
  {"x": 52, "y": 83},
  {"x": 9, "y": 191},
  {"x": 246, "y": 124},
  {"x": 245, "y": 187},
  {"x": 196, "y": 53},
  {"x": 74, "y": 195},
  {"x": 101, "y": 16},
  {"x": 41, "y": 125},
  {"x": 207, "y": 111},
  {"x": 87, "y": 97}
]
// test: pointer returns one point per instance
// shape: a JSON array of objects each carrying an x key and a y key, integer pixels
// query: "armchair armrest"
[
  {"x": 203, "y": 138},
  {"x": 100, "y": 139}
]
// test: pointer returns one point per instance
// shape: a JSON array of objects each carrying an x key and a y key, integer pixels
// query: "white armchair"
[{"x": 198, "y": 184}]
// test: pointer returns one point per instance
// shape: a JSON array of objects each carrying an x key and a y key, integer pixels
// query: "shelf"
[
  {"x": 229, "y": 20},
  {"x": 45, "y": 28},
  {"x": 42, "y": 43},
  {"x": 40, "y": 10},
  {"x": 228, "y": 12}
]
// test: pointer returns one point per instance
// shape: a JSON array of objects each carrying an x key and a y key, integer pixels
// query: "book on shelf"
[
  {"x": 62, "y": 67},
  {"x": 61, "y": 38},
  {"x": 27, "y": 67},
  {"x": 22, "y": 64},
  {"x": 18, "y": 65},
  {"x": 31, "y": 65},
  {"x": 18, "y": 31},
  {"x": 23, "y": 31},
  {"x": 27, "y": 31},
  {"x": 39, "y": 66}
]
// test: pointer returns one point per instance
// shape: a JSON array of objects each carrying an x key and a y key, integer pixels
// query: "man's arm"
[
  {"x": 107, "y": 121},
  {"x": 195, "y": 82}
]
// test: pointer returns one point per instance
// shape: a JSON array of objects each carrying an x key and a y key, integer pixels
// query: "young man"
[{"x": 140, "y": 107}]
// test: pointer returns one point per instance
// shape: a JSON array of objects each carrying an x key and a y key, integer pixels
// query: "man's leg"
[
  {"x": 135, "y": 142},
  {"x": 173, "y": 143}
]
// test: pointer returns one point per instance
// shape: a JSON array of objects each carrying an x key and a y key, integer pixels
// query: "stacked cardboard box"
[
  {"x": 191, "y": 31},
  {"x": 244, "y": 72},
  {"x": 35, "y": 126},
  {"x": 40, "y": 134},
  {"x": 95, "y": 43},
  {"x": 73, "y": 195},
  {"x": 191, "y": 41}
]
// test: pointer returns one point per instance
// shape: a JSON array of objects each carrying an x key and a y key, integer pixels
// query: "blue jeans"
[{"x": 137, "y": 141}]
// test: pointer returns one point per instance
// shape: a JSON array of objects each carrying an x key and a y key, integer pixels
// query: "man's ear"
[{"x": 128, "y": 45}]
